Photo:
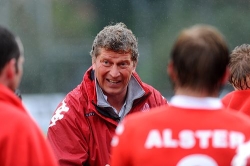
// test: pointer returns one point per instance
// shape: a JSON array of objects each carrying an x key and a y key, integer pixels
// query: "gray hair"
[{"x": 117, "y": 38}]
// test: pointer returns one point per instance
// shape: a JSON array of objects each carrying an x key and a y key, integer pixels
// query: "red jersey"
[
  {"x": 21, "y": 141},
  {"x": 177, "y": 136}
]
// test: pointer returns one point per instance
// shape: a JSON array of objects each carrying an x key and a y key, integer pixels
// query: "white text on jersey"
[{"x": 187, "y": 139}]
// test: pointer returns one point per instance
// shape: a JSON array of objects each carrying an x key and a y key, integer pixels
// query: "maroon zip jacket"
[{"x": 80, "y": 132}]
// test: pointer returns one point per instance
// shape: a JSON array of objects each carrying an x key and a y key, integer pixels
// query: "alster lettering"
[{"x": 187, "y": 139}]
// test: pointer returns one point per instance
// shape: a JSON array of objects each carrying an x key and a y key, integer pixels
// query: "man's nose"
[{"x": 114, "y": 71}]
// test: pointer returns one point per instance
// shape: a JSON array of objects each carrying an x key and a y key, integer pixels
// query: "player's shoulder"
[
  {"x": 13, "y": 114},
  {"x": 16, "y": 119},
  {"x": 225, "y": 99},
  {"x": 237, "y": 116}
]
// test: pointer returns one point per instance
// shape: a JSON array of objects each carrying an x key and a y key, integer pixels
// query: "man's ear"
[
  {"x": 171, "y": 72},
  {"x": 93, "y": 63},
  {"x": 134, "y": 65},
  {"x": 11, "y": 68}
]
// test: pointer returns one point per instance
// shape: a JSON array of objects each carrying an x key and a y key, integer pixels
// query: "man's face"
[{"x": 113, "y": 72}]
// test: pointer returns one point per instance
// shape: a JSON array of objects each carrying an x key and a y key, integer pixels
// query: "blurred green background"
[{"x": 58, "y": 34}]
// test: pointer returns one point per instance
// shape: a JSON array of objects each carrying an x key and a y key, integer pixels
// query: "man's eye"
[
  {"x": 124, "y": 64},
  {"x": 106, "y": 63}
]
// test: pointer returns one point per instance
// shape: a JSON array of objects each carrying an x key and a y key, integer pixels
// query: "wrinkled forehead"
[{"x": 105, "y": 51}]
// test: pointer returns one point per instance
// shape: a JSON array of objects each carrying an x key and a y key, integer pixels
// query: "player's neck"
[{"x": 195, "y": 93}]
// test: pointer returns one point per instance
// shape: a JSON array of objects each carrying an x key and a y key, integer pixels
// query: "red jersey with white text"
[{"x": 176, "y": 136}]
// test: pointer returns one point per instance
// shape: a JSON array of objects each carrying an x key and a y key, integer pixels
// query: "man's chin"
[{"x": 112, "y": 93}]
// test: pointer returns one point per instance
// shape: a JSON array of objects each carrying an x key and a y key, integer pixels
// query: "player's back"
[{"x": 177, "y": 136}]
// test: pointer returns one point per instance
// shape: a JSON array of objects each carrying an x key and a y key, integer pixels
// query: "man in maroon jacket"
[{"x": 82, "y": 126}]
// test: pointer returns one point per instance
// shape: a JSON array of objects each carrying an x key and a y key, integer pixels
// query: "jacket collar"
[
  {"x": 8, "y": 96},
  {"x": 183, "y": 101},
  {"x": 90, "y": 92},
  {"x": 135, "y": 91}
]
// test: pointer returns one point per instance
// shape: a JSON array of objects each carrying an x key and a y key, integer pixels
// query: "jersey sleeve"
[{"x": 67, "y": 137}]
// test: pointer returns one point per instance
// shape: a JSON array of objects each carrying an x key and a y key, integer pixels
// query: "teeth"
[{"x": 113, "y": 81}]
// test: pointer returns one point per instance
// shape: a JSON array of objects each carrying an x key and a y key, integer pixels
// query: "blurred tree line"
[{"x": 58, "y": 34}]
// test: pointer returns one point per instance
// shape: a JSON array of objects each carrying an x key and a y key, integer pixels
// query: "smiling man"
[{"x": 82, "y": 126}]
